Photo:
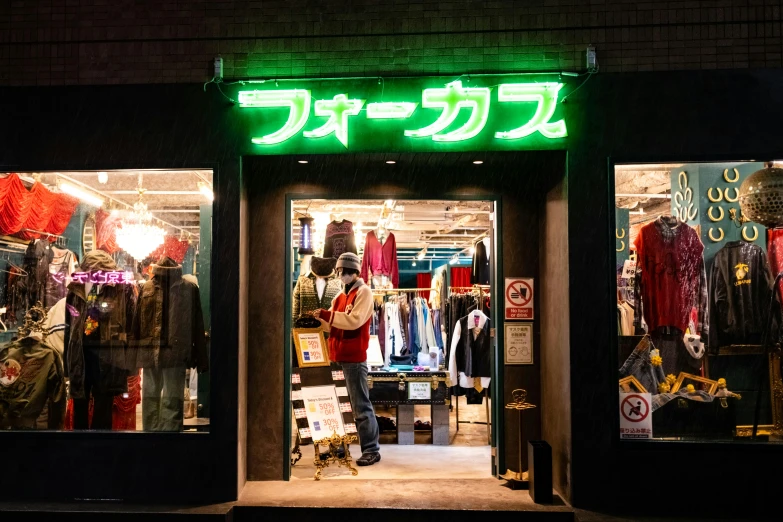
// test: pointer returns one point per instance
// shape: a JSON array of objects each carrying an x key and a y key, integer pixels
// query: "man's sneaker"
[{"x": 368, "y": 459}]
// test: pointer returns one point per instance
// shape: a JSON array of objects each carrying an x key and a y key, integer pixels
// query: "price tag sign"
[
  {"x": 311, "y": 348},
  {"x": 419, "y": 391},
  {"x": 629, "y": 269}
]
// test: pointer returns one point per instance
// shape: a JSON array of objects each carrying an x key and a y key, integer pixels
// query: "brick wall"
[{"x": 55, "y": 42}]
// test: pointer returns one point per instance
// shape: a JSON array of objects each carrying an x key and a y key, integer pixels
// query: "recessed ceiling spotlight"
[
  {"x": 478, "y": 162},
  {"x": 103, "y": 177},
  {"x": 391, "y": 162},
  {"x": 303, "y": 162}
]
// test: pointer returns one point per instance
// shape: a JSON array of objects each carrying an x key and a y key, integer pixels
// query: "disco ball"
[{"x": 761, "y": 197}]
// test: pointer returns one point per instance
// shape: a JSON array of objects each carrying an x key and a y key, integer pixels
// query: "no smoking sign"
[{"x": 519, "y": 298}]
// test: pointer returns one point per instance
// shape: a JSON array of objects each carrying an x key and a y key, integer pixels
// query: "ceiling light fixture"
[
  {"x": 303, "y": 162},
  {"x": 391, "y": 162},
  {"x": 103, "y": 177},
  {"x": 478, "y": 162},
  {"x": 137, "y": 234},
  {"x": 413, "y": 263},
  {"x": 421, "y": 254},
  {"x": 206, "y": 191},
  {"x": 80, "y": 194}
]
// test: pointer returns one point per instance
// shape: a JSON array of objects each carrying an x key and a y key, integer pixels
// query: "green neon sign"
[{"x": 455, "y": 115}]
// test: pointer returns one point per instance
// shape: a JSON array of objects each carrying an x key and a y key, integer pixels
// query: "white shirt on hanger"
[{"x": 465, "y": 381}]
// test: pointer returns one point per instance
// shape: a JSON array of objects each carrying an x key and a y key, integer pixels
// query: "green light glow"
[
  {"x": 451, "y": 99},
  {"x": 337, "y": 109},
  {"x": 382, "y": 110},
  {"x": 545, "y": 94},
  {"x": 297, "y": 101},
  {"x": 535, "y": 104}
]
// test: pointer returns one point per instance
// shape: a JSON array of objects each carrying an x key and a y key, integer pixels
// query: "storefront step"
[
  {"x": 392, "y": 499},
  {"x": 89, "y": 512},
  {"x": 317, "y": 514}
]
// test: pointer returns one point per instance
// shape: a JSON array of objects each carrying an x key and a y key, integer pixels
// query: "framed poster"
[
  {"x": 311, "y": 348},
  {"x": 322, "y": 409},
  {"x": 519, "y": 343}
]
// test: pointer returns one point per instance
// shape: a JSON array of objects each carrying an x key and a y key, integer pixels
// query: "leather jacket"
[
  {"x": 115, "y": 310},
  {"x": 168, "y": 328}
]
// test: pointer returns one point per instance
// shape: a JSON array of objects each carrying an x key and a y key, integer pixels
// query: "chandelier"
[{"x": 137, "y": 235}]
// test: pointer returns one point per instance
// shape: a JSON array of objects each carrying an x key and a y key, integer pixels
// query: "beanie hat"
[
  {"x": 349, "y": 260},
  {"x": 97, "y": 260}
]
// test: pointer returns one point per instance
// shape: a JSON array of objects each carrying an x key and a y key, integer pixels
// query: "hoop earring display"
[
  {"x": 713, "y": 218},
  {"x": 716, "y": 239},
  {"x": 745, "y": 234},
  {"x": 713, "y": 199},
  {"x": 729, "y": 180}
]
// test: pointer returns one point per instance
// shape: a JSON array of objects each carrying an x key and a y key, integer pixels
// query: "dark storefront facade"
[{"x": 556, "y": 192}]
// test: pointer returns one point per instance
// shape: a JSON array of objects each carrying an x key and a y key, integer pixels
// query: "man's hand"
[{"x": 317, "y": 314}]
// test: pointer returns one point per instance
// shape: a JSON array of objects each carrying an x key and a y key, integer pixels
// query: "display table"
[{"x": 404, "y": 389}]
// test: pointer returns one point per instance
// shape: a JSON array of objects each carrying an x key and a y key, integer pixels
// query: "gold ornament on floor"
[
  {"x": 333, "y": 443},
  {"x": 745, "y": 234},
  {"x": 519, "y": 403},
  {"x": 730, "y": 180},
  {"x": 713, "y": 218}
]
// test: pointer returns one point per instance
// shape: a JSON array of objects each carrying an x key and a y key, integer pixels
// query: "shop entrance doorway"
[{"x": 429, "y": 265}]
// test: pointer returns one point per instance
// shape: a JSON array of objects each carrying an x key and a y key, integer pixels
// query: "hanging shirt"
[
  {"x": 740, "y": 292},
  {"x": 457, "y": 373},
  {"x": 380, "y": 259},
  {"x": 672, "y": 278},
  {"x": 480, "y": 270},
  {"x": 339, "y": 239}
]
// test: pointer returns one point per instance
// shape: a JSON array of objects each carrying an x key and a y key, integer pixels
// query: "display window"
[
  {"x": 104, "y": 300},
  {"x": 392, "y": 343},
  {"x": 698, "y": 310}
]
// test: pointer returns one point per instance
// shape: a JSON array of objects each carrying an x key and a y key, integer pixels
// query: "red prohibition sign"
[
  {"x": 638, "y": 411},
  {"x": 516, "y": 292}
]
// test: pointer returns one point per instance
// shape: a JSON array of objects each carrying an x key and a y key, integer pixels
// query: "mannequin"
[
  {"x": 169, "y": 334},
  {"x": 316, "y": 289},
  {"x": 98, "y": 319}
]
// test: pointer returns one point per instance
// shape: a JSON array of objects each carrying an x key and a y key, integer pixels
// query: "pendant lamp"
[
  {"x": 306, "y": 236},
  {"x": 761, "y": 196}
]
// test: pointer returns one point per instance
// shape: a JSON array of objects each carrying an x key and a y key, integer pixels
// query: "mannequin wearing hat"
[
  {"x": 316, "y": 289},
  {"x": 348, "y": 321}
]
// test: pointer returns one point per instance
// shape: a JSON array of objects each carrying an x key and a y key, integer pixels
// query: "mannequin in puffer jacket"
[{"x": 168, "y": 337}]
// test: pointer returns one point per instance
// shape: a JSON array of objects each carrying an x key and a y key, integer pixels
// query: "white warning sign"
[{"x": 636, "y": 416}]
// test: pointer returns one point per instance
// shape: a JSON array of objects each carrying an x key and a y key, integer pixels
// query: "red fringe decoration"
[
  {"x": 172, "y": 247},
  {"x": 106, "y": 231},
  {"x": 36, "y": 209}
]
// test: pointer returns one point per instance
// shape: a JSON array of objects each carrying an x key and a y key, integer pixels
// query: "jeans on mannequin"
[{"x": 162, "y": 398}]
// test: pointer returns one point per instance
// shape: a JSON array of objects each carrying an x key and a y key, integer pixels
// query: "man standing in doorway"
[{"x": 348, "y": 324}]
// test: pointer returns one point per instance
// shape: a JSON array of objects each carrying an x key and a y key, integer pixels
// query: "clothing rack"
[
  {"x": 47, "y": 234},
  {"x": 403, "y": 290}
]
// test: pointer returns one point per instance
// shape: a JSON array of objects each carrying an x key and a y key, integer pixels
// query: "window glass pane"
[
  {"x": 697, "y": 312},
  {"x": 104, "y": 300}
]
